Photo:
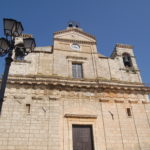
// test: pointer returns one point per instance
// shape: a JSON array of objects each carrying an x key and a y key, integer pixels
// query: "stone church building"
[{"x": 70, "y": 97}]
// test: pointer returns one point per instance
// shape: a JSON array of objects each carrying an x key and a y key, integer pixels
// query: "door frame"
[{"x": 68, "y": 137}]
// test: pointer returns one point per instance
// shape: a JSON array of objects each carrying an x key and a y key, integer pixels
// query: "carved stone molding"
[
  {"x": 72, "y": 84},
  {"x": 37, "y": 97},
  {"x": 119, "y": 101},
  {"x": 26, "y": 35},
  {"x": 19, "y": 97},
  {"x": 133, "y": 102},
  {"x": 54, "y": 97},
  {"x": 82, "y": 116},
  {"x": 76, "y": 41},
  {"x": 124, "y": 46},
  {"x": 76, "y": 30},
  {"x": 145, "y": 102},
  {"x": 35, "y": 51},
  {"x": 104, "y": 100},
  {"x": 22, "y": 61},
  {"x": 78, "y": 58}
]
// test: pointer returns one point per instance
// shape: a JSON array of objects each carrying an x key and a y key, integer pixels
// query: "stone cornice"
[
  {"x": 106, "y": 100},
  {"x": 71, "y": 51},
  {"x": 80, "y": 116},
  {"x": 128, "y": 69},
  {"x": 76, "y": 30},
  {"x": 75, "y": 41},
  {"x": 124, "y": 46},
  {"x": 42, "y": 52},
  {"x": 26, "y": 35},
  {"x": 44, "y": 49},
  {"x": 79, "y": 84},
  {"x": 21, "y": 61},
  {"x": 78, "y": 58}
]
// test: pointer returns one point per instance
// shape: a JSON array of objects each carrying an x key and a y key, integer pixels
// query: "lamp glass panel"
[
  {"x": 4, "y": 44},
  {"x": 29, "y": 43},
  {"x": 18, "y": 29},
  {"x": 9, "y": 26}
]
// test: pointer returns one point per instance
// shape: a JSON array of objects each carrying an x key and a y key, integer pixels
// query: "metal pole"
[{"x": 8, "y": 61}]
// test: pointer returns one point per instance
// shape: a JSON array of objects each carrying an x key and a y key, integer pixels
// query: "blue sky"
[{"x": 111, "y": 21}]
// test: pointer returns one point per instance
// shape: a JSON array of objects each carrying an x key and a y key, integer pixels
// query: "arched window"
[{"x": 127, "y": 60}]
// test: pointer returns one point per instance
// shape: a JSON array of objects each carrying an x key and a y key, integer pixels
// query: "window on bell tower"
[{"x": 127, "y": 60}]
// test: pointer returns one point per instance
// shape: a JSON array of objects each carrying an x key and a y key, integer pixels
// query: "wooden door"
[{"x": 82, "y": 137}]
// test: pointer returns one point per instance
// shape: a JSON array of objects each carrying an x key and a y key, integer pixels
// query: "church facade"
[{"x": 70, "y": 97}]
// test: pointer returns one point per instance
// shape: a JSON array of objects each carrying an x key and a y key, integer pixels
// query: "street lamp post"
[{"x": 12, "y": 29}]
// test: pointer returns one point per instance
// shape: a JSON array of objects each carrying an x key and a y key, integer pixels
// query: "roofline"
[{"x": 76, "y": 30}]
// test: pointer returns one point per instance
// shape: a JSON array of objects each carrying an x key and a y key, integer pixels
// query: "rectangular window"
[
  {"x": 28, "y": 108},
  {"x": 77, "y": 70},
  {"x": 129, "y": 112}
]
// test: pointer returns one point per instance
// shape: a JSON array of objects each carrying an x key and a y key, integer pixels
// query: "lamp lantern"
[
  {"x": 4, "y": 46},
  {"x": 29, "y": 44},
  {"x": 12, "y": 27}
]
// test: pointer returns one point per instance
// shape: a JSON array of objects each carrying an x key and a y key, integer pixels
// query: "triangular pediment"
[{"x": 74, "y": 34}]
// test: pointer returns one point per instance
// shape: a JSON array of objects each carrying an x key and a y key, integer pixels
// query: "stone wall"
[{"x": 48, "y": 123}]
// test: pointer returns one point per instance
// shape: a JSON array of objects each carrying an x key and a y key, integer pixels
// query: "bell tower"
[{"x": 128, "y": 66}]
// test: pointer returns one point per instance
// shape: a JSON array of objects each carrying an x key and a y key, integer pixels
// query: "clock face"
[{"x": 75, "y": 46}]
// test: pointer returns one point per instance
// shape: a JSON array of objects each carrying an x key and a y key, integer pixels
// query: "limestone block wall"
[
  {"x": 36, "y": 63},
  {"x": 115, "y": 70},
  {"x": 42, "y": 118},
  {"x": 103, "y": 68},
  {"x": 45, "y": 64},
  {"x": 27, "y": 67},
  {"x": 34, "y": 128}
]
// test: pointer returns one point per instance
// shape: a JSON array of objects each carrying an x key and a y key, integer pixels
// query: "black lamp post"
[{"x": 12, "y": 29}]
